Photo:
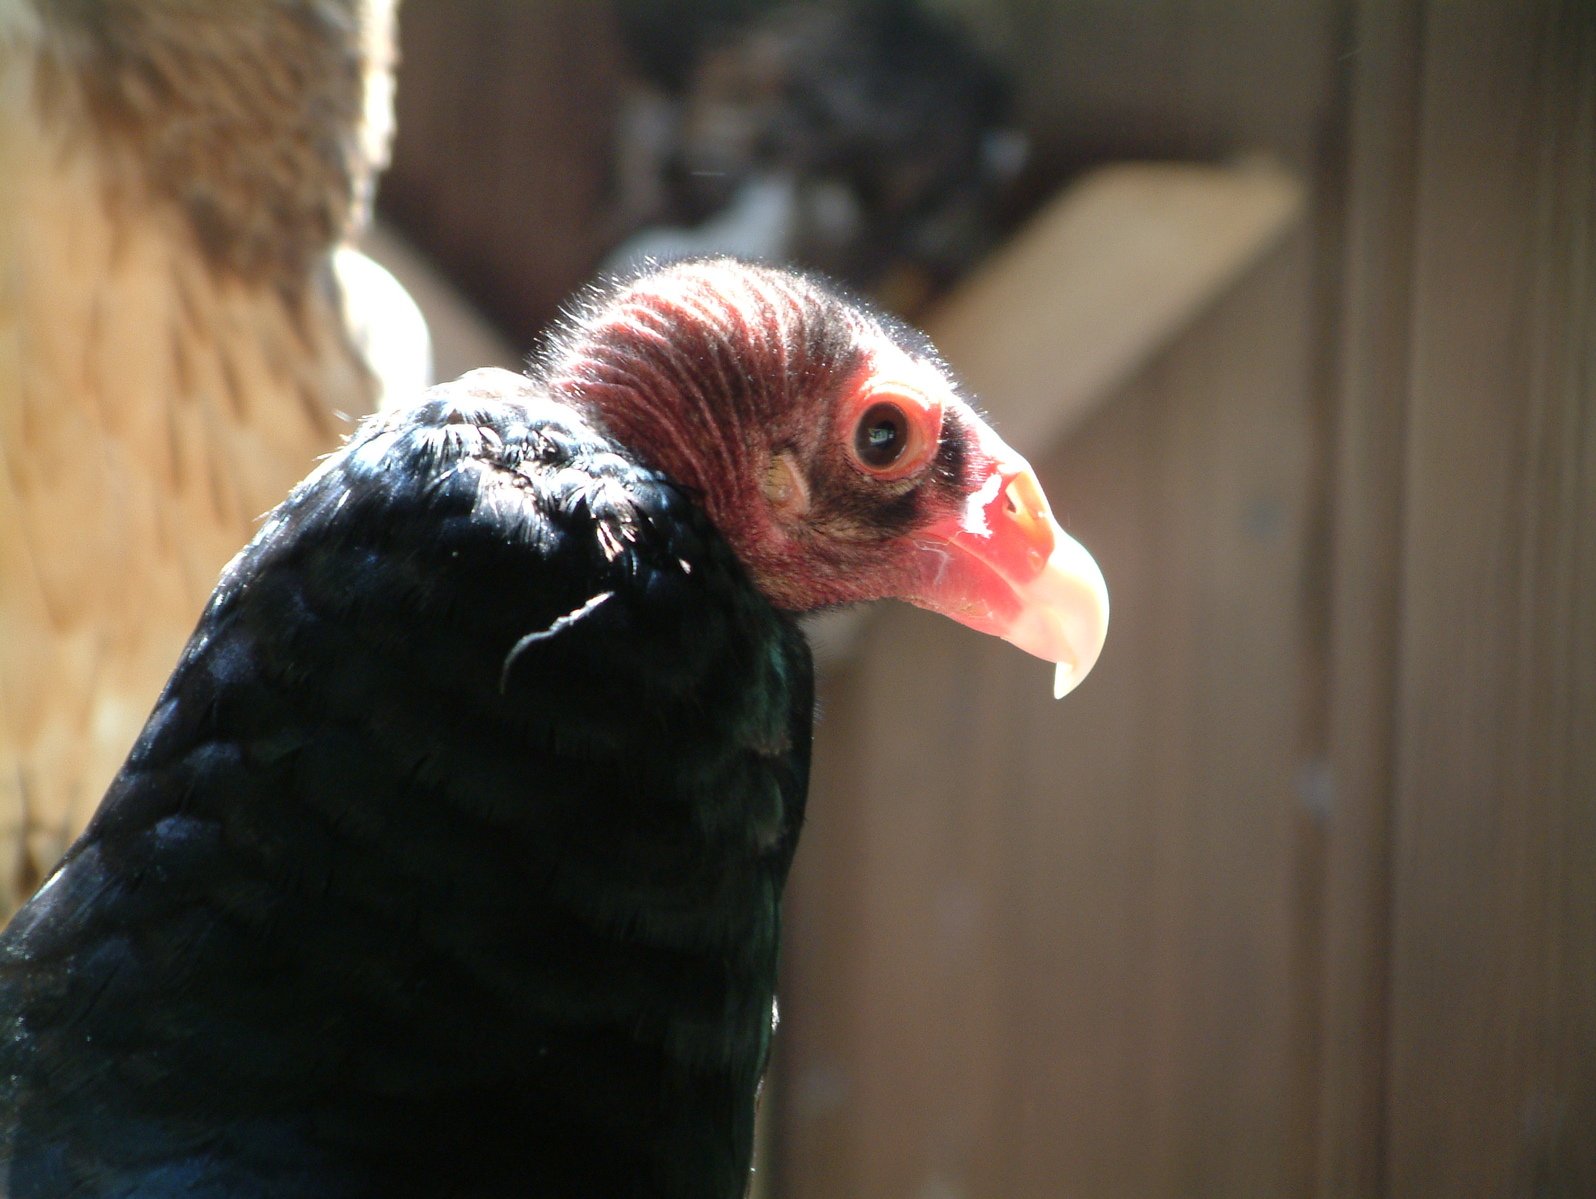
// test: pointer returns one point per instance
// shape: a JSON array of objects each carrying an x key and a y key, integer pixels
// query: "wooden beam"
[
  {"x": 1366, "y": 529},
  {"x": 1103, "y": 278},
  {"x": 1491, "y": 1083}
]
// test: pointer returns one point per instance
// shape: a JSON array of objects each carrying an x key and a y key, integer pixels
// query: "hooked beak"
[{"x": 1004, "y": 566}]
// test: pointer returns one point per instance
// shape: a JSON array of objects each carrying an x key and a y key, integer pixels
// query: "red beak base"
[{"x": 1004, "y": 566}]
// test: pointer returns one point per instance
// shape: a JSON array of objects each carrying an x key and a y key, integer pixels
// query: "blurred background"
[
  {"x": 1293, "y": 305},
  {"x": 1297, "y": 896}
]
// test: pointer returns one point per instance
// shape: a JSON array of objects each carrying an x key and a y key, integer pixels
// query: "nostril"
[
  {"x": 1013, "y": 504},
  {"x": 1022, "y": 496}
]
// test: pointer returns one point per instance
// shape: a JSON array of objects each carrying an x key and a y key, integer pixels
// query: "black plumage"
[{"x": 450, "y": 860}]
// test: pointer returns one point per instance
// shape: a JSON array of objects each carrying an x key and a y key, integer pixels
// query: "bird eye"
[
  {"x": 882, "y": 435},
  {"x": 890, "y": 428}
]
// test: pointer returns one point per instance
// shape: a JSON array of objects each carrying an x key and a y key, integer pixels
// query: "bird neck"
[
  {"x": 713, "y": 442},
  {"x": 710, "y": 458},
  {"x": 712, "y": 373}
]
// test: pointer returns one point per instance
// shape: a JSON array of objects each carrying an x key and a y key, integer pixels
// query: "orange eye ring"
[{"x": 894, "y": 432}]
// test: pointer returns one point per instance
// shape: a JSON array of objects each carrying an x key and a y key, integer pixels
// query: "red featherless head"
[{"x": 833, "y": 450}]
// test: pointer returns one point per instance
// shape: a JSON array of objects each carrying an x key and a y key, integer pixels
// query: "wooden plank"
[
  {"x": 1175, "y": 80},
  {"x": 1103, "y": 277},
  {"x": 504, "y": 113},
  {"x": 1367, "y": 481},
  {"x": 1199, "y": 772},
  {"x": 1493, "y": 1045}
]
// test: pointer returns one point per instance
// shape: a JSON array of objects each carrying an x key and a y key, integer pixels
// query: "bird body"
[
  {"x": 178, "y": 340},
  {"x": 495, "y": 884},
  {"x": 450, "y": 861}
]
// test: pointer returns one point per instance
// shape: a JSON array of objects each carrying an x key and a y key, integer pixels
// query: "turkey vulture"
[{"x": 451, "y": 859}]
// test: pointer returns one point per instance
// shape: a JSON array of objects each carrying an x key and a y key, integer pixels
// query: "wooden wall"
[
  {"x": 504, "y": 110},
  {"x": 1491, "y": 1057},
  {"x": 1297, "y": 896}
]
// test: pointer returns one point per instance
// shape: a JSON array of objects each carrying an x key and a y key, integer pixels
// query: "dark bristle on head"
[
  {"x": 711, "y": 370},
  {"x": 728, "y": 344},
  {"x": 830, "y": 315},
  {"x": 690, "y": 363},
  {"x": 746, "y": 303}
]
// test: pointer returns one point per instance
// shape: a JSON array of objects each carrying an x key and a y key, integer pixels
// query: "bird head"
[{"x": 833, "y": 450}]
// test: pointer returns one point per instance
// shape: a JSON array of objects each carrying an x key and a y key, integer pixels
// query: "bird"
[
  {"x": 183, "y": 321},
  {"x": 451, "y": 859}
]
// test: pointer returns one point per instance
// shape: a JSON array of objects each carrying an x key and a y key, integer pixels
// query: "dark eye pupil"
[{"x": 882, "y": 435}]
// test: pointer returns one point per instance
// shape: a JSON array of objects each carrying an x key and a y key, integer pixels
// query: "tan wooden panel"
[
  {"x": 503, "y": 111},
  {"x": 1182, "y": 79},
  {"x": 1363, "y": 593},
  {"x": 1099, "y": 280},
  {"x": 1047, "y": 949},
  {"x": 1493, "y": 1066}
]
